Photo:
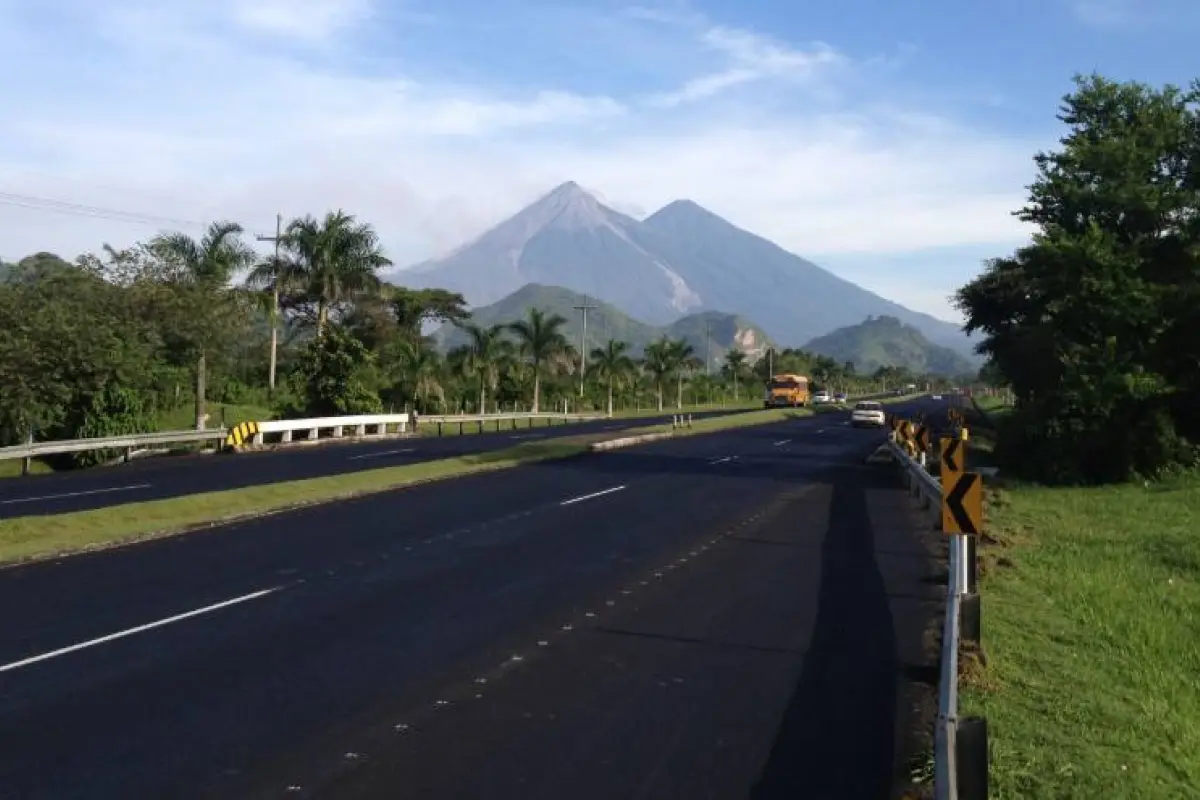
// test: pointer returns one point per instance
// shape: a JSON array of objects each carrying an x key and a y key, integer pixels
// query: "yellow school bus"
[{"x": 786, "y": 389}]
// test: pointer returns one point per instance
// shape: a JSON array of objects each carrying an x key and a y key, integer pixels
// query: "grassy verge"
[
  {"x": 31, "y": 537},
  {"x": 1091, "y": 608}
]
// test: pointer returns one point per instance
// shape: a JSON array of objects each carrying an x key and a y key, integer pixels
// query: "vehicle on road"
[
  {"x": 868, "y": 414},
  {"x": 786, "y": 390},
  {"x": 937, "y": 397},
  {"x": 840, "y": 397},
  {"x": 822, "y": 397}
]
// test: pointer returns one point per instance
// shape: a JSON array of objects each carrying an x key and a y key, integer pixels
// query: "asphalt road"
[
  {"x": 729, "y": 615},
  {"x": 175, "y": 476}
]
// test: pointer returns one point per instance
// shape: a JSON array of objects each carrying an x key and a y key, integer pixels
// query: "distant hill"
[
  {"x": 606, "y": 321},
  {"x": 886, "y": 341},
  {"x": 682, "y": 259}
]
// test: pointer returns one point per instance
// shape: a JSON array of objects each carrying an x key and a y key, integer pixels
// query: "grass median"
[
  {"x": 26, "y": 538},
  {"x": 1091, "y": 611}
]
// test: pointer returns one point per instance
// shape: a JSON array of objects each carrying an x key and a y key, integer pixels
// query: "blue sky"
[{"x": 887, "y": 141}]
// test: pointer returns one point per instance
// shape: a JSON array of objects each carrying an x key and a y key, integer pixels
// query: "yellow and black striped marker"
[{"x": 241, "y": 434}]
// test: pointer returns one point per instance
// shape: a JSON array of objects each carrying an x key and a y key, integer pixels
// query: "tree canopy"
[{"x": 1096, "y": 323}]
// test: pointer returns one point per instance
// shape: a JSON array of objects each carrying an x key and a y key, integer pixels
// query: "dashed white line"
[
  {"x": 721, "y": 460},
  {"x": 131, "y": 487},
  {"x": 782, "y": 442},
  {"x": 384, "y": 453},
  {"x": 527, "y": 436},
  {"x": 591, "y": 496},
  {"x": 139, "y": 629}
]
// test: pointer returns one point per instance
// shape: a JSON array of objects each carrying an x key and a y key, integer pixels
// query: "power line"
[
  {"x": 584, "y": 308},
  {"x": 52, "y": 206}
]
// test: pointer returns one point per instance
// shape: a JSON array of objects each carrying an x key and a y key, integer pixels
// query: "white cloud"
[{"x": 202, "y": 110}]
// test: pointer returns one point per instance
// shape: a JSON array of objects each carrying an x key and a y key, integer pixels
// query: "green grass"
[
  {"x": 31, "y": 537},
  {"x": 1091, "y": 619},
  {"x": 184, "y": 417}
]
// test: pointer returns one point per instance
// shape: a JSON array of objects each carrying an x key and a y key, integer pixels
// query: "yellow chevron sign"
[{"x": 241, "y": 434}]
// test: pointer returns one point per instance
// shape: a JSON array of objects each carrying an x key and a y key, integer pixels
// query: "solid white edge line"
[
  {"x": 384, "y": 453},
  {"x": 64, "y": 495},
  {"x": 139, "y": 629},
  {"x": 581, "y": 498}
]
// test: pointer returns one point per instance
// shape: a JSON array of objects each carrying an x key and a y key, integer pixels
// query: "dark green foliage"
[
  {"x": 1095, "y": 324},
  {"x": 329, "y": 377}
]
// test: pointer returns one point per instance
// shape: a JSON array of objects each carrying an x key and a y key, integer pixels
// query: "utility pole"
[
  {"x": 583, "y": 308},
  {"x": 274, "y": 299},
  {"x": 708, "y": 346}
]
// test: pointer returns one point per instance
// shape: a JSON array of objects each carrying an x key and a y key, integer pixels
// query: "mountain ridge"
[
  {"x": 887, "y": 342},
  {"x": 679, "y": 260},
  {"x": 605, "y": 321}
]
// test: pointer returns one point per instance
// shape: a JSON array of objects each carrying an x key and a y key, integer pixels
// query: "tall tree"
[
  {"x": 1094, "y": 322},
  {"x": 681, "y": 354},
  {"x": 482, "y": 356},
  {"x": 735, "y": 368},
  {"x": 611, "y": 363},
  {"x": 208, "y": 263},
  {"x": 331, "y": 261},
  {"x": 543, "y": 339},
  {"x": 658, "y": 360}
]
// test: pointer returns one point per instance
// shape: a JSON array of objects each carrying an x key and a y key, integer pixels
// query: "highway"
[
  {"x": 740, "y": 614},
  {"x": 174, "y": 476}
]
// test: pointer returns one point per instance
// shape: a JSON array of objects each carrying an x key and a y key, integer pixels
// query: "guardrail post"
[
  {"x": 286, "y": 437},
  {"x": 314, "y": 434},
  {"x": 971, "y": 757},
  {"x": 361, "y": 430},
  {"x": 439, "y": 427},
  {"x": 689, "y": 420},
  {"x": 481, "y": 426},
  {"x": 460, "y": 429},
  {"x": 337, "y": 431}
]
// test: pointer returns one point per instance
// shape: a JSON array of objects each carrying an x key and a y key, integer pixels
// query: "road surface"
[
  {"x": 176, "y": 476},
  {"x": 722, "y": 616}
]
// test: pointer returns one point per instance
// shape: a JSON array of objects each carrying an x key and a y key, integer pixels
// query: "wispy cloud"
[
  {"x": 241, "y": 108},
  {"x": 1135, "y": 13}
]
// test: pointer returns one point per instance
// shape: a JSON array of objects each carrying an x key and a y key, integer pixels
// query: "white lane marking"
[
  {"x": 139, "y": 629},
  {"x": 129, "y": 488},
  {"x": 782, "y": 442},
  {"x": 581, "y": 498},
  {"x": 820, "y": 430},
  {"x": 384, "y": 453},
  {"x": 721, "y": 460},
  {"x": 527, "y": 436}
]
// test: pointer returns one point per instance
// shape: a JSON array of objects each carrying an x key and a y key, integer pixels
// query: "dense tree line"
[
  {"x": 112, "y": 342},
  {"x": 1096, "y": 324}
]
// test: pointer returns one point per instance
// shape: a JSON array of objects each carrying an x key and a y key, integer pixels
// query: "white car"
[
  {"x": 868, "y": 414},
  {"x": 822, "y": 397},
  {"x": 937, "y": 397}
]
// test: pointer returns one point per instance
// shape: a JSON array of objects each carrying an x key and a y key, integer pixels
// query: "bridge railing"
[{"x": 281, "y": 431}]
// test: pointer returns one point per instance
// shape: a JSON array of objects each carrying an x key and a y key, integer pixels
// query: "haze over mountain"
[
  {"x": 606, "y": 321},
  {"x": 681, "y": 259},
  {"x": 887, "y": 342}
]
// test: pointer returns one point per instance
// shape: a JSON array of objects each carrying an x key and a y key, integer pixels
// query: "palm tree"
[
  {"x": 331, "y": 260},
  {"x": 658, "y": 360},
  {"x": 422, "y": 371},
  {"x": 208, "y": 263},
  {"x": 735, "y": 367},
  {"x": 482, "y": 356},
  {"x": 681, "y": 354},
  {"x": 543, "y": 340},
  {"x": 612, "y": 363}
]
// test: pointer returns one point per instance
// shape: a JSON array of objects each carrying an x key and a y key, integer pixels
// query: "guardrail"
[
  {"x": 960, "y": 743},
  {"x": 278, "y": 431}
]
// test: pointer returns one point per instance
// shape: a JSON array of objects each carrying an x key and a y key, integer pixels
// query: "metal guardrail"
[
  {"x": 947, "y": 767},
  {"x": 255, "y": 432}
]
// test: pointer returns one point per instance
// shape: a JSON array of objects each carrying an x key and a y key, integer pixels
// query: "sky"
[{"x": 888, "y": 142}]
